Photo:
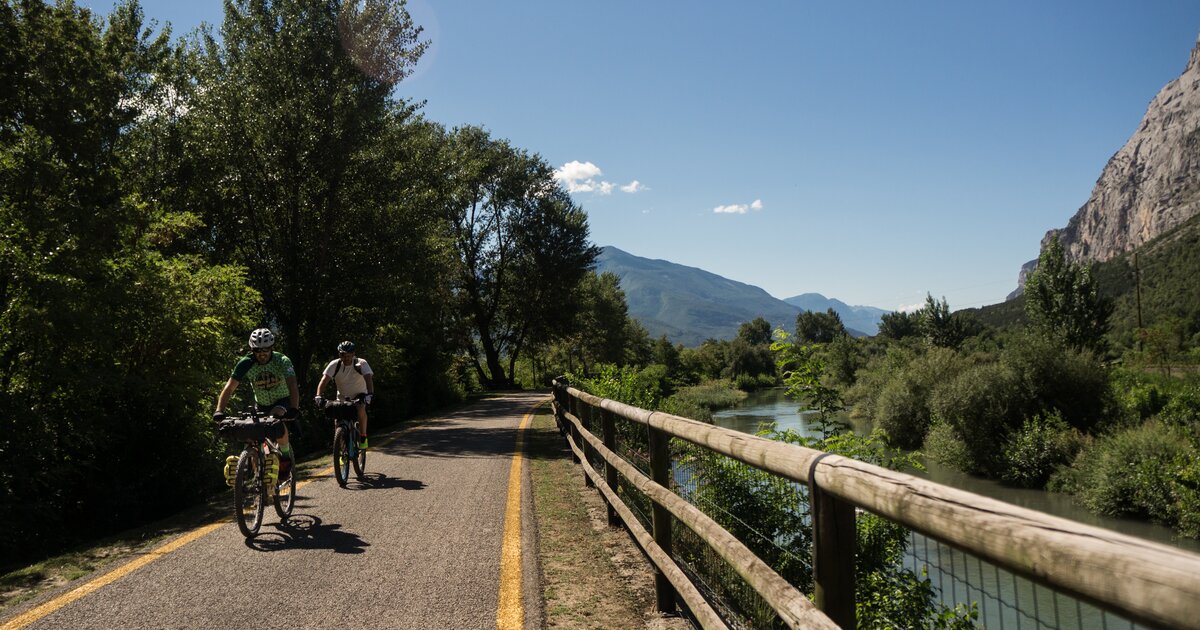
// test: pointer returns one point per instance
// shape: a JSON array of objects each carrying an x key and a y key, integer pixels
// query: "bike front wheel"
[
  {"x": 341, "y": 456},
  {"x": 249, "y": 493},
  {"x": 285, "y": 493},
  {"x": 359, "y": 459}
]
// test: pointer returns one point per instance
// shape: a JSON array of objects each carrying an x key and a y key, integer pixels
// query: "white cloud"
[
  {"x": 910, "y": 308},
  {"x": 739, "y": 208},
  {"x": 583, "y": 177},
  {"x": 575, "y": 170}
]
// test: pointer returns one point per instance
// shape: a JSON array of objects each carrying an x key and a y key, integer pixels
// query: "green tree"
[
  {"x": 939, "y": 326},
  {"x": 286, "y": 159},
  {"x": 107, "y": 334},
  {"x": 520, "y": 242},
  {"x": 1062, "y": 301},
  {"x": 756, "y": 332},
  {"x": 813, "y": 327},
  {"x": 663, "y": 352},
  {"x": 899, "y": 325},
  {"x": 602, "y": 333}
]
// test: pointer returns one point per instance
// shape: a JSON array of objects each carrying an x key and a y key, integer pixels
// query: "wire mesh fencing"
[{"x": 903, "y": 578}]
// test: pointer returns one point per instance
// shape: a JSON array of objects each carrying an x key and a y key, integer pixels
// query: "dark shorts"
[{"x": 285, "y": 402}]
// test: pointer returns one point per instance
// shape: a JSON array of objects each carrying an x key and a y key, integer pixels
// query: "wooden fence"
[{"x": 1145, "y": 582}]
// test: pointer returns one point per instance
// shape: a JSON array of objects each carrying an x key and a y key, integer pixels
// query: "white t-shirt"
[{"x": 349, "y": 381}]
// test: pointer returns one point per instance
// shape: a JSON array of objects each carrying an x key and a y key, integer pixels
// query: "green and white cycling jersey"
[{"x": 269, "y": 380}]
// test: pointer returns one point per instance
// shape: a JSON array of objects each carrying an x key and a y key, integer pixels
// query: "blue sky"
[{"x": 870, "y": 151}]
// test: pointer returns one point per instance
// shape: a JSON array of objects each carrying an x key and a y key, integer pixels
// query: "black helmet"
[{"x": 346, "y": 346}]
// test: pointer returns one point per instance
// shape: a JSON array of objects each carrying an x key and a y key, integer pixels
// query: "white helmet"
[{"x": 262, "y": 338}]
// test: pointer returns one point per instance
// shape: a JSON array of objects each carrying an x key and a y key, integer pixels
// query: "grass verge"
[{"x": 593, "y": 575}]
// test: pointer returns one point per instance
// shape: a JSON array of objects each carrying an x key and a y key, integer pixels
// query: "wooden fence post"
[
  {"x": 586, "y": 420},
  {"x": 834, "y": 543},
  {"x": 609, "y": 427},
  {"x": 573, "y": 405},
  {"x": 660, "y": 473}
]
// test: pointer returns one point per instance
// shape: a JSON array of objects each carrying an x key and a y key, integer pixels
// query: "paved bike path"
[{"x": 418, "y": 544}]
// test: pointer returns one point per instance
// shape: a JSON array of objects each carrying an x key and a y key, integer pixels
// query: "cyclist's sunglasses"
[{"x": 260, "y": 350}]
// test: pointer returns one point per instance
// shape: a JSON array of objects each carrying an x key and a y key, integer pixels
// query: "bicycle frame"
[
  {"x": 251, "y": 485},
  {"x": 345, "y": 440}
]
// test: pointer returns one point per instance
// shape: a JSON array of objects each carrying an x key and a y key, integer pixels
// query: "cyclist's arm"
[
  {"x": 230, "y": 386},
  {"x": 321, "y": 384},
  {"x": 293, "y": 392},
  {"x": 370, "y": 383}
]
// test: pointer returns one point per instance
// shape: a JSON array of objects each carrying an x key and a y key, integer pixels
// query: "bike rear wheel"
[
  {"x": 341, "y": 456},
  {"x": 285, "y": 493},
  {"x": 249, "y": 493}
]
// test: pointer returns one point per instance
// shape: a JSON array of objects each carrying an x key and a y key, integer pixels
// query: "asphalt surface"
[{"x": 417, "y": 544}]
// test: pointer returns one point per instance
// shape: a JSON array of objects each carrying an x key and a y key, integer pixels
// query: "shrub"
[
  {"x": 1132, "y": 472},
  {"x": 943, "y": 445},
  {"x": 711, "y": 395},
  {"x": 1055, "y": 377},
  {"x": 1183, "y": 408},
  {"x": 901, "y": 407},
  {"x": 983, "y": 404},
  {"x": 1042, "y": 445}
]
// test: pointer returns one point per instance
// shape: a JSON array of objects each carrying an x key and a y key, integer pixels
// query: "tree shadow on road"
[
  {"x": 305, "y": 531},
  {"x": 380, "y": 481}
]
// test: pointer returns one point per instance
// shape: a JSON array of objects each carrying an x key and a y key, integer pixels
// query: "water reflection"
[
  {"x": 771, "y": 405},
  {"x": 1004, "y": 600}
]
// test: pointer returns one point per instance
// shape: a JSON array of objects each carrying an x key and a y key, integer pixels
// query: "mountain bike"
[
  {"x": 258, "y": 434},
  {"x": 346, "y": 438}
]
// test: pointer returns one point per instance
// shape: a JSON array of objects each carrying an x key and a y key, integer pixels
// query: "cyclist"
[
  {"x": 273, "y": 380},
  {"x": 354, "y": 380}
]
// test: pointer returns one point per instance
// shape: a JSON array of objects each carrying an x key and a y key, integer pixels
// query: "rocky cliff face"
[{"x": 1149, "y": 186}]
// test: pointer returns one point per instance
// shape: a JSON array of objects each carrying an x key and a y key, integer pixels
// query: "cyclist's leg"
[
  {"x": 285, "y": 446},
  {"x": 362, "y": 422}
]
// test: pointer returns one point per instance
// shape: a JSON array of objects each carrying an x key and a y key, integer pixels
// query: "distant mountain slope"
[
  {"x": 689, "y": 305},
  {"x": 858, "y": 318}
]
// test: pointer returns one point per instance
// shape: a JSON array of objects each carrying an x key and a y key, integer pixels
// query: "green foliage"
[
  {"x": 942, "y": 328},
  {"x": 1062, "y": 300},
  {"x": 813, "y": 327},
  {"x": 1148, "y": 471},
  {"x": 520, "y": 241},
  {"x": 1073, "y": 383},
  {"x": 982, "y": 405},
  {"x": 755, "y": 333},
  {"x": 803, "y": 373},
  {"x": 1042, "y": 445},
  {"x": 108, "y": 332},
  {"x": 711, "y": 395},
  {"x": 844, "y": 356},
  {"x": 899, "y": 325},
  {"x": 622, "y": 384},
  {"x": 902, "y": 383},
  {"x": 943, "y": 444}
]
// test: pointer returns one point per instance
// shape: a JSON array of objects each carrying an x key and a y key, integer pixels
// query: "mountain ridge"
[{"x": 690, "y": 304}]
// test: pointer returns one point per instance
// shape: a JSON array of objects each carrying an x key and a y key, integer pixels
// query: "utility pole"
[{"x": 1137, "y": 283}]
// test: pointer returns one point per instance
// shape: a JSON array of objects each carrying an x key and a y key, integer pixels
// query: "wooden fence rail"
[{"x": 1148, "y": 583}]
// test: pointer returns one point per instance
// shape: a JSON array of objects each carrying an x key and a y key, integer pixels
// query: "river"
[{"x": 1014, "y": 602}]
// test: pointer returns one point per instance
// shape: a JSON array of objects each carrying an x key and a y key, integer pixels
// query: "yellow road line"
[
  {"x": 510, "y": 613},
  {"x": 104, "y": 580},
  {"x": 100, "y": 582}
]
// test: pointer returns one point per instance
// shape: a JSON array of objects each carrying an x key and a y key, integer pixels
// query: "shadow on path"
[
  {"x": 304, "y": 531},
  {"x": 380, "y": 481}
]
